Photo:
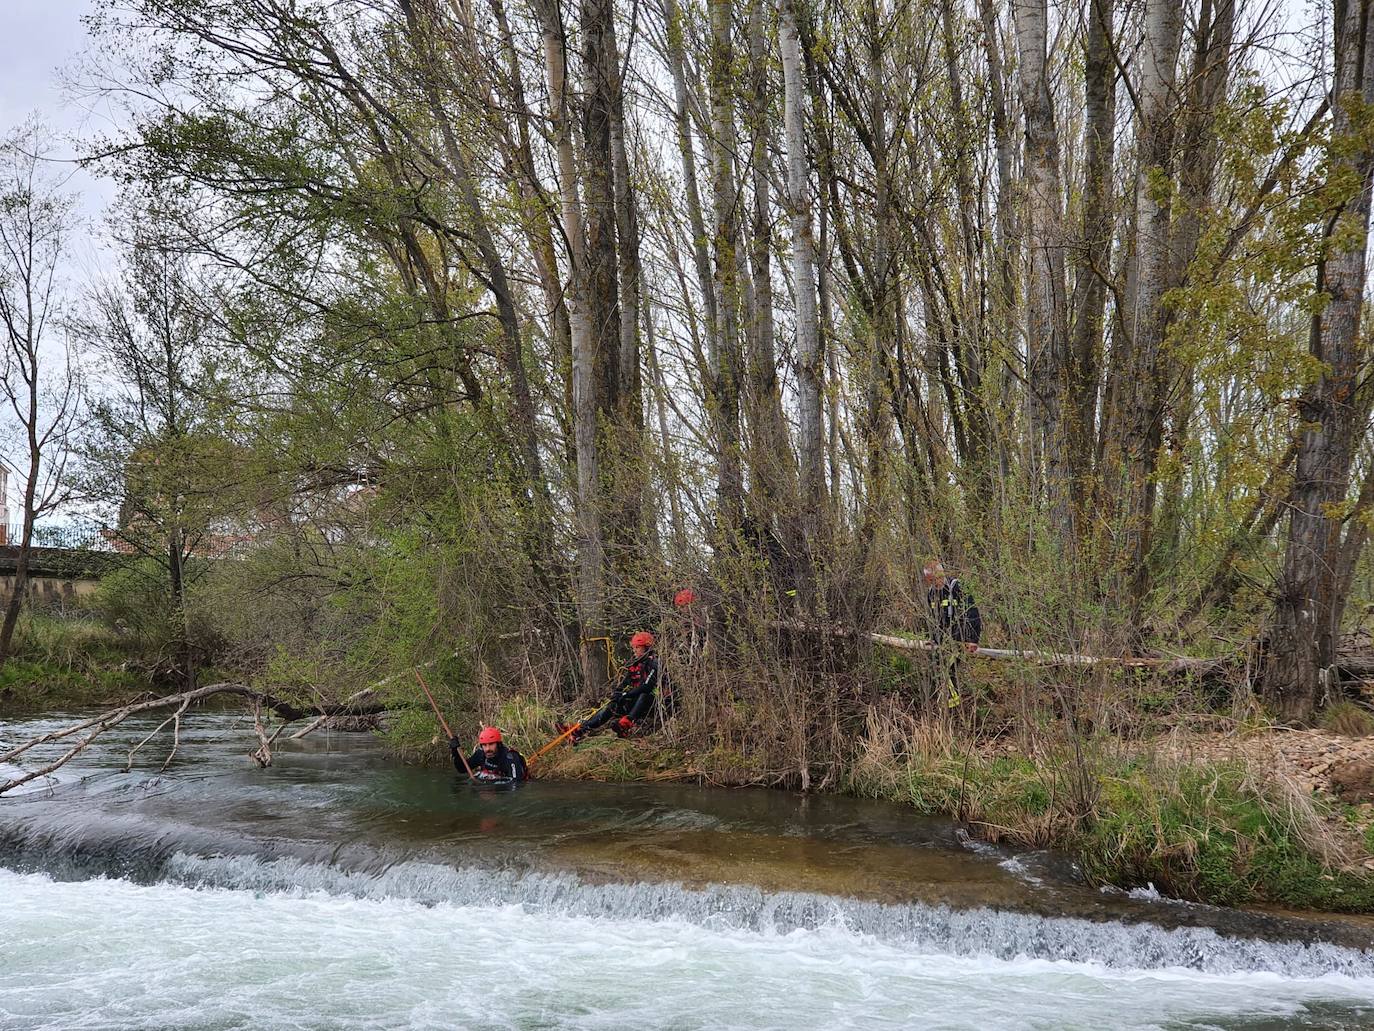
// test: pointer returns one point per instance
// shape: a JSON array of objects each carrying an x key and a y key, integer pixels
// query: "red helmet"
[
  {"x": 489, "y": 736},
  {"x": 684, "y": 597},
  {"x": 643, "y": 639}
]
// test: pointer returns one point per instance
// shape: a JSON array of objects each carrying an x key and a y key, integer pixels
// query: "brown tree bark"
[
  {"x": 587, "y": 395},
  {"x": 1046, "y": 315},
  {"x": 773, "y": 468},
  {"x": 724, "y": 393},
  {"x": 1199, "y": 150},
  {"x": 1092, "y": 270},
  {"x": 815, "y": 505},
  {"x": 1311, "y": 595},
  {"x": 1143, "y": 390}
]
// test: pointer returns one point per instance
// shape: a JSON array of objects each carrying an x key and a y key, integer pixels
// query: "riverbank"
[
  {"x": 1218, "y": 818},
  {"x": 1239, "y": 814}
]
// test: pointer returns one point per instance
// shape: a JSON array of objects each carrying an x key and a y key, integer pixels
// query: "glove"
[
  {"x": 454, "y": 743},
  {"x": 617, "y": 696}
]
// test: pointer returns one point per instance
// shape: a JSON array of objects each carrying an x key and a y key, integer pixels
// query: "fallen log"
[
  {"x": 1355, "y": 667},
  {"x": 1171, "y": 664}
]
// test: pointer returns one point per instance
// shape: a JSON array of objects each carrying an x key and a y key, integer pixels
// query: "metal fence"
[
  {"x": 98, "y": 537},
  {"x": 92, "y": 536}
]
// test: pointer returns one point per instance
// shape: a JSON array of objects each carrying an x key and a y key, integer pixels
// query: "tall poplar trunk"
[
  {"x": 696, "y": 219},
  {"x": 725, "y": 361},
  {"x": 599, "y": 75},
  {"x": 1142, "y": 391},
  {"x": 881, "y": 309},
  {"x": 810, "y": 357},
  {"x": 1046, "y": 319},
  {"x": 1311, "y": 591},
  {"x": 1199, "y": 149},
  {"x": 1002, "y": 314},
  {"x": 586, "y": 395},
  {"x": 774, "y": 472},
  {"x": 627, "y": 238},
  {"x": 537, "y": 221},
  {"x": 632, "y": 530},
  {"x": 1093, "y": 267},
  {"x": 970, "y": 331}
]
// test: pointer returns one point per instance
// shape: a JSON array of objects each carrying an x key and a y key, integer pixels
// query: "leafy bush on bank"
[{"x": 1220, "y": 833}]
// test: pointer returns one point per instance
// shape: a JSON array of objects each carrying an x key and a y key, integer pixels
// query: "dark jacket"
[
  {"x": 507, "y": 763},
  {"x": 638, "y": 683},
  {"x": 953, "y": 613}
]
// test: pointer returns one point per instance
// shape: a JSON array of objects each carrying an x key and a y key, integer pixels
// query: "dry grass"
[{"x": 1349, "y": 719}]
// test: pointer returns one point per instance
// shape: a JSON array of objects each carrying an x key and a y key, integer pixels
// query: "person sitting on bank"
[
  {"x": 632, "y": 700},
  {"x": 491, "y": 759},
  {"x": 953, "y": 617}
]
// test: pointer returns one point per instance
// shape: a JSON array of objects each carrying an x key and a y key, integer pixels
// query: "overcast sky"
[{"x": 39, "y": 39}]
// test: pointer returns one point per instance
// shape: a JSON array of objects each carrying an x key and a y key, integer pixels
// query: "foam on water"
[
  {"x": 111, "y": 954},
  {"x": 931, "y": 928}
]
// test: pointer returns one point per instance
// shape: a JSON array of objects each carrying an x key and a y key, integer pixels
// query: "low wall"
[{"x": 48, "y": 591}]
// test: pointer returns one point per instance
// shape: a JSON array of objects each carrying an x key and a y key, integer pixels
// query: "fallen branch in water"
[
  {"x": 175, "y": 720},
  {"x": 263, "y": 755},
  {"x": 357, "y": 703},
  {"x": 98, "y": 725}
]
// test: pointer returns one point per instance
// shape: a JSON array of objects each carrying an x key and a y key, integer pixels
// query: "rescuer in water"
[{"x": 491, "y": 759}]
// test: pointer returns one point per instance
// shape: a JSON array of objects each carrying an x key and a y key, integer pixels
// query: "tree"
[
  {"x": 1046, "y": 330},
  {"x": 810, "y": 359},
  {"x": 1143, "y": 318},
  {"x": 1334, "y": 410},
  {"x": 156, "y": 448},
  {"x": 39, "y": 378},
  {"x": 467, "y": 227}
]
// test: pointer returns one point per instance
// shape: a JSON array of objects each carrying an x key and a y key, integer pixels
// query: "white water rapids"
[{"x": 111, "y": 954}]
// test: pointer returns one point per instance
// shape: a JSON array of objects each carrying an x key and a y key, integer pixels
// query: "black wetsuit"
[
  {"x": 953, "y": 614},
  {"x": 953, "y": 617},
  {"x": 633, "y": 698},
  {"x": 506, "y": 764}
]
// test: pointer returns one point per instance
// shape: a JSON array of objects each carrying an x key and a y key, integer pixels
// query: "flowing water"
[{"x": 341, "y": 889}]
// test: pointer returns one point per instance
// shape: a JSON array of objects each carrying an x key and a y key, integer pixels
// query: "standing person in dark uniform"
[
  {"x": 955, "y": 626},
  {"x": 491, "y": 759},
  {"x": 632, "y": 700}
]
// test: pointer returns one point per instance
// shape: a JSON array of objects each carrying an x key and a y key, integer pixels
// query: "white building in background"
[{"x": 4, "y": 504}]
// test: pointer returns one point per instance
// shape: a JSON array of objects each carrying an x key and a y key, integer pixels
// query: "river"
[{"x": 342, "y": 889}]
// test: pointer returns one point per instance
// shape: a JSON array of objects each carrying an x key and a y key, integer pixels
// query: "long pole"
[
  {"x": 443, "y": 723},
  {"x": 559, "y": 739}
]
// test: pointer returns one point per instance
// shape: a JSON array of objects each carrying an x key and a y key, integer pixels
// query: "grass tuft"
[{"x": 1348, "y": 719}]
